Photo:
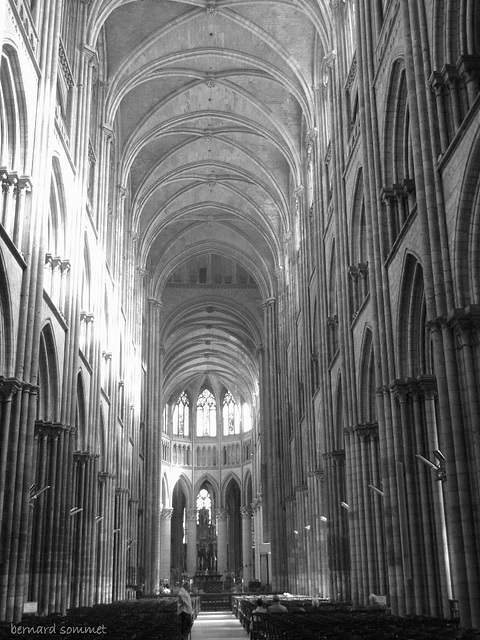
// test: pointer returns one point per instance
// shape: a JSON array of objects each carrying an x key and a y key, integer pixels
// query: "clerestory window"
[
  {"x": 206, "y": 414},
  {"x": 181, "y": 426}
]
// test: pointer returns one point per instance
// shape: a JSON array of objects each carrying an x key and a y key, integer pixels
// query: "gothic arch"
[
  {"x": 358, "y": 232},
  {"x": 455, "y": 31},
  {"x": 227, "y": 483},
  {"x": 338, "y": 425},
  {"x": 58, "y": 209},
  {"x": 396, "y": 106},
  {"x": 14, "y": 128},
  {"x": 366, "y": 379},
  {"x": 467, "y": 234},
  {"x": 413, "y": 337},
  {"x": 103, "y": 438},
  {"x": 48, "y": 377},
  {"x": 6, "y": 328},
  {"x": 80, "y": 416},
  {"x": 207, "y": 479},
  {"x": 166, "y": 492},
  {"x": 248, "y": 489}
]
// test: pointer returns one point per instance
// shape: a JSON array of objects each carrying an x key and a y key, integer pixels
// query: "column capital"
[
  {"x": 191, "y": 515},
  {"x": 221, "y": 514},
  {"x": 366, "y": 430},
  {"x": 9, "y": 387},
  {"x": 399, "y": 389},
  {"x": 166, "y": 513},
  {"x": 246, "y": 512},
  {"x": 387, "y": 195},
  {"x": 268, "y": 303},
  {"x": 257, "y": 502},
  {"x": 104, "y": 476},
  {"x": 49, "y": 429},
  {"x": 428, "y": 385},
  {"x": 108, "y": 132},
  {"x": 24, "y": 185},
  {"x": 155, "y": 304},
  {"x": 91, "y": 55}
]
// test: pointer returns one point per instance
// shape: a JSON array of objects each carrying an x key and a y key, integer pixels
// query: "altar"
[{"x": 208, "y": 582}]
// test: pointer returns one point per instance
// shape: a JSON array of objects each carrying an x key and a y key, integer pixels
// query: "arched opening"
[
  {"x": 234, "y": 529},
  {"x": 178, "y": 534},
  {"x": 205, "y": 505}
]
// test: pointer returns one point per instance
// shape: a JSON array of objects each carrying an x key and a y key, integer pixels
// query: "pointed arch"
[
  {"x": 6, "y": 328},
  {"x": 80, "y": 415},
  {"x": 206, "y": 413},
  {"x": 467, "y": 233},
  {"x": 14, "y": 128},
  {"x": 48, "y": 377},
  {"x": 414, "y": 348},
  {"x": 366, "y": 379}
]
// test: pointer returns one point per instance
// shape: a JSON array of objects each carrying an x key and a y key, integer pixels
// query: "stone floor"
[{"x": 218, "y": 625}]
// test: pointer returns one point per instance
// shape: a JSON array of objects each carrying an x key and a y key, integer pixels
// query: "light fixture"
[
  {"x": 308, "y": 527},
  {"x": 344, "y": 505},
  {"x": 75, "y": 510},
  {"x": 323, "y": 518},
  {"x": 379, "y": 491},
  {"x": 438, "y": 468},
  {"x": 295, "y": 532},
  {"x": 98, "y": 518},
  {"x": 38, "y": 493}
]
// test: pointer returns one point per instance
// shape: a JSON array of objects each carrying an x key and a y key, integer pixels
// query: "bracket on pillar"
[{"x": 441, "y": 474}]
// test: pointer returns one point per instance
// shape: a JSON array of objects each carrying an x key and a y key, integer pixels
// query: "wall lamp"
[
  {"x": 344, "y": 505},
  {"x": 75, "y": 510},
  {"x": 35, "y": 495},
  {"x": 441, "y": 474},
  {"x": 379, "y": 491}
]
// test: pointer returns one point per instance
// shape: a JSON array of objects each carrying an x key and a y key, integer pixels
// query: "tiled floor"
[{"x": 218, "y": 625}]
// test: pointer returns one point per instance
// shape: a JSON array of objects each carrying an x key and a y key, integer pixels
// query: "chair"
[{"x": 257, "y": 627}]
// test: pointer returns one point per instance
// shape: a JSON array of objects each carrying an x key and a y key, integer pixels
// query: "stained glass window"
[
  {"x": 180, "y": 416},
  {"x": 206, "y": 414}
]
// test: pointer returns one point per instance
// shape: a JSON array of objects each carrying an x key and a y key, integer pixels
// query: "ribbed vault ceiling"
[{"x": 210, "y": 102}]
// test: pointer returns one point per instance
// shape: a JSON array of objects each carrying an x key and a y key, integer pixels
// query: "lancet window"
[
  {"x": 181, "y": 424},
  {"x": 206, "y": 414}
]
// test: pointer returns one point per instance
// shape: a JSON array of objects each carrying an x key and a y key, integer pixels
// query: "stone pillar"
[
  {"x": 257, "y": 531},
  {"x": 246, "y": 544},
  {"x": 191, "y": 541},
  {"x": 222, "y": 541},
  {"x": 165, "y": 542},
  {"x": 153, "y": 452}
]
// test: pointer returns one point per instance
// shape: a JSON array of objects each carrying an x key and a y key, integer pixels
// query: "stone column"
[
  {"x": 165, "y": 542},
  {"x": 153, "y": 446},
  {"x": 246, "y": 544},
  {"x": 191, "y": 541},
  {"x": 222, "y": 541},
  {"x": 257, "y": 533}
]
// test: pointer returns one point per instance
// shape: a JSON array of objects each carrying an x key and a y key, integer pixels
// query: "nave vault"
[{"x": 239, "y": 300}]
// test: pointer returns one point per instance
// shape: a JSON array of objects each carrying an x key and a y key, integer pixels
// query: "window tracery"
[
  {"x": 206, "y": 414},
  {"x": 181, "y": 423}
]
